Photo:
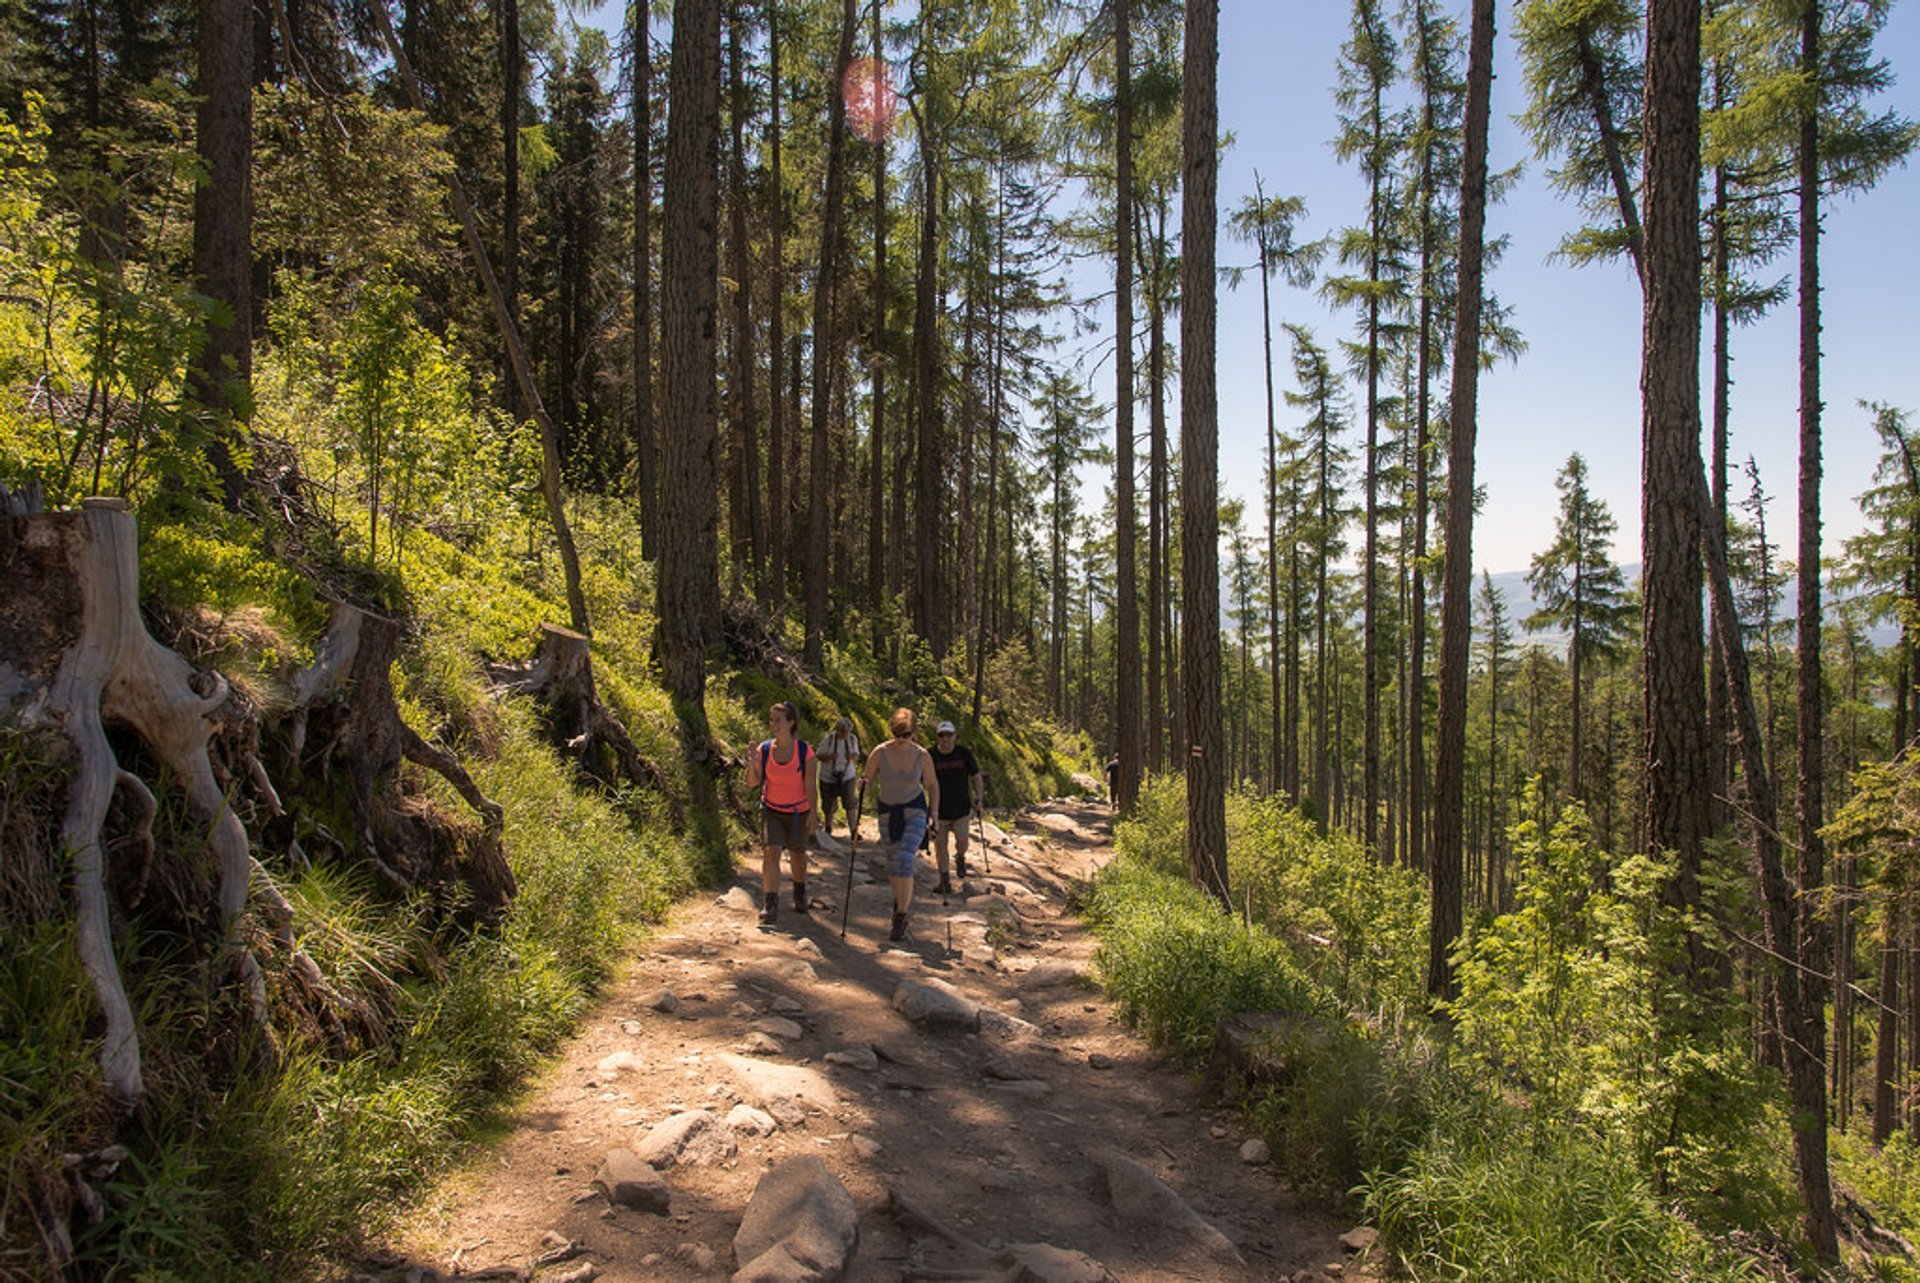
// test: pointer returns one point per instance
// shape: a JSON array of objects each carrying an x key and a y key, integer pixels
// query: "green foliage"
[
  {"x": 1574, "y": 1000},
  {"x": 1176, "y": 964},
  {"x": 1477, "y": 1202},
  {"x": 1358, "y": 926}
]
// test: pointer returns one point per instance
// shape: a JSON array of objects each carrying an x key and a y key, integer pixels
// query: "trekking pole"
[
  {"x": 986, "y": 856},
  {"x": 853, "y": 854}
]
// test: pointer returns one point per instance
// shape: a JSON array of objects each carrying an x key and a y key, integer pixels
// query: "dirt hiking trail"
[{"x": 976, "y": 1097}]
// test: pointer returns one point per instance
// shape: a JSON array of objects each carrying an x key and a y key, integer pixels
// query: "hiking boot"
[
  {"x": 899, "y": 931},
  {"x": 770, "y": 909},
  {"x": 800, "y": 897},
  {"x": 960, "y": 863},
  {"x": 945, "y": 887}
]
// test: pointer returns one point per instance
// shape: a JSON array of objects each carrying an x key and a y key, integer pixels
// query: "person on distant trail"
[
  {"x": 1113, "y": 780},
  {"x": 962, "y": 792},
  {"x": 908, "y": 792},
  {"x": 839, "y": 755},
  {"x": 786, "y": 771}
]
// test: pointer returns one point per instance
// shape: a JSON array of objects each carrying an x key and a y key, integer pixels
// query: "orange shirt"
[{"x": 783, "y": 785}]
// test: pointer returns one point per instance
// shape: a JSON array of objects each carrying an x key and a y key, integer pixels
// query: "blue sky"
[{"x": 1577, "y": 386}]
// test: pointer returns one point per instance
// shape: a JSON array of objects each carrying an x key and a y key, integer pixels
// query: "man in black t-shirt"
[{"x": 962, "y": 791}]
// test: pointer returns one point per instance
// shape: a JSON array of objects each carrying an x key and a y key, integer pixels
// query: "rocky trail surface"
[{"x": 782, "y": 1104}]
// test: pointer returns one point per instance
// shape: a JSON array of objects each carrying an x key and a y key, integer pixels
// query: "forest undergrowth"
[{"x": 1544, "y": 1129}]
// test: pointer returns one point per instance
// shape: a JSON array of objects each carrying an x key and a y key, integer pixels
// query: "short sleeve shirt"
[{"x": 955, "y": 771}]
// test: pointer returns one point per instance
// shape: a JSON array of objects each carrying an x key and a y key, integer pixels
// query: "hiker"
[
  {"x": 1113, "y": 782},
  {"x": 908, "y": 792},
  {"x": 962, "y": 792},
  {"x": 839, "y": 755},
  {"x": 786, "y": 771}
]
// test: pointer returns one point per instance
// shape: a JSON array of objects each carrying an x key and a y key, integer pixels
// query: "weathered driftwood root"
[
  {"x": 75, "y": 656},
  {"x": 345, "y": 698},
  {"x": 560, "y": 679}
]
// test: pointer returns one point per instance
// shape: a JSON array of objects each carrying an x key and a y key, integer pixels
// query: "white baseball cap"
[{"x": 945, "y": 728}]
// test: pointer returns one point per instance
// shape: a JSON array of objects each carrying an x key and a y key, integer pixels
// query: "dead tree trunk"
[
  {"x": 345, "y": 702},
  {"x": 560, "y": 678}
]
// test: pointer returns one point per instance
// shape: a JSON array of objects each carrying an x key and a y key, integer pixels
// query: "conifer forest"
[{"x": 435, "y": 433}]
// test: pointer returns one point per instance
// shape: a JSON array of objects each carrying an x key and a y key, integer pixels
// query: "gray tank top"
[{"x": 898, "y": 786}]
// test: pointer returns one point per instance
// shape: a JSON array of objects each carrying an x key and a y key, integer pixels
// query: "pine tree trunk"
[
  {"x": 776, "y": 328},
  {"x": 825, "y": 349},
  {"x": 1199, "y": 455},
  {"x": 645, "y": 444},
  {"x": 926, "y": 387},
  {"x": 1127, "y": 721},
  {"x": 511, "y": 58},
  {"x": 221, "y": 374},
  {"x": 1678, "y": 786},
  {"x": 1157, "y": 569},
  {"x": 689, "y": 564},
  {"x": 1813, "y": 945},
  {"x": 1455, "y": 621},
  {"x": 749, "y": 526},
  {"x": 1886, "y": 1041},
  {"x": 876, "y": 441}
]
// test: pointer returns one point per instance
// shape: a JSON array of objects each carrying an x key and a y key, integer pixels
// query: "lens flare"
[{"x": 872, "y": 104}]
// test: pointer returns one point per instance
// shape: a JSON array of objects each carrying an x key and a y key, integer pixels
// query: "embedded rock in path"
[
  {"x": 1031, "y": 1088},
  {"x": 760, "y": 1044},
  {"x": 788, "y": 1092},
  {"x": 754, "y": 1122},
  {"x": 823, "y": 841},
  {"x": 1140, "y": 1197},
  {"x": 936, "y": 1004},
  {"x": 618, "y": 1063},
  {"x": 1010, "y": 1027},
  {"x": 1255, "y": 1152},
  {"x": 1049, "y": 974},
  {"x": 1044, "y": 1263},
  {"x": 787, "y": 1006},
  {"x": 1360, "y": 1239},
  {"x": 695, "y": 1138},
  {"x": 787, "y": 971},
  {"x": 854, "y": 1058},
  {"x": 628, "y": 1181},
  {"x": 738, "y": 899},
  {"x": 800, "y": 1226},
  {"x": 662, "y": 1000},
  {"x": 779, "y": 1026}
]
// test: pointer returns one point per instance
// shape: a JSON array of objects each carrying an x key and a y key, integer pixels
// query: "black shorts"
[{"x": 784, "y": 829}]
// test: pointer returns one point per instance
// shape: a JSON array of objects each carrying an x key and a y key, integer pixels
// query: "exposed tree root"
[
  {"x": 751, "y": 639},
  {"x": 560, "y": 679},
  {"x": 74, "y": 656},
  {"x": 344, "y": 702}
]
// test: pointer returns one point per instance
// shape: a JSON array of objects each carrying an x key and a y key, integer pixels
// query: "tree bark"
[
  {"x": 1127, "y": 719},
  {"x": 689, "y": 564},
  {"x": 1678, "y": 786},
  {"x": 646, "y": 450},
  {"x": 220, "y": 376},
  {"x": 1449, "y": 815},
  {"x": 1199, "y": 455},
  {"x": 825, "y": 349},
  {"x": 750, "y": 531}
]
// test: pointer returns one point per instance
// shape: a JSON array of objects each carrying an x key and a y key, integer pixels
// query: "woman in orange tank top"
[{"x": 786, "y": 772}]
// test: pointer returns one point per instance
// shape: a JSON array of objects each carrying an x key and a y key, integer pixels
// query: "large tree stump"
[
  {"x": 1258, "y": 1051},
  {"x": 560, "y": 679},
  {"x": 344, "y": 706},
  {"x": 75, "y": 656}
]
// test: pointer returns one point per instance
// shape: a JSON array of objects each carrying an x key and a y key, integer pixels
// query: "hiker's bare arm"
[
  {"x": 753, "y": 767},
  {"x": 813, "y": 791},
  {"x": 930, "y": 782}
]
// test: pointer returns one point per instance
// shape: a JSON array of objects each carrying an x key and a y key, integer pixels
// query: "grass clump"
[
  {"x": 1177, "y": 964},
  {"x": 1477, "y": 1202}
]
